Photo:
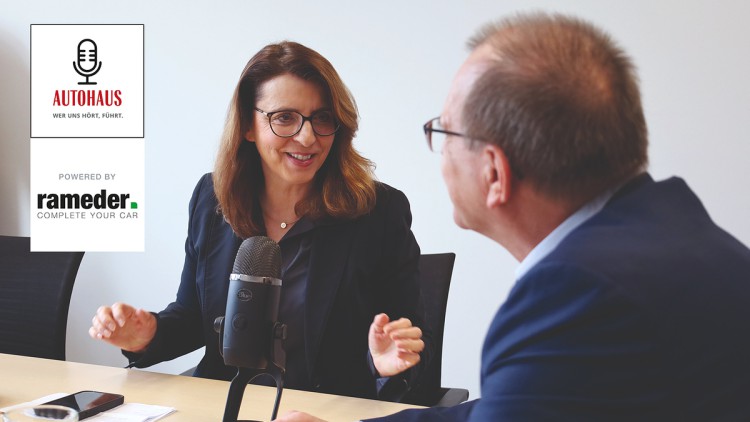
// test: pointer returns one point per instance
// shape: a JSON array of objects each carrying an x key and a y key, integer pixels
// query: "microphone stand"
[{"x": 276, "y": 369}]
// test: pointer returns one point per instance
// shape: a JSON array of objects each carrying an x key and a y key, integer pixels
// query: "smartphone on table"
[{"x": 88, "y": 403}]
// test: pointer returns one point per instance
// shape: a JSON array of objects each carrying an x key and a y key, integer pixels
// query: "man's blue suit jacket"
[{"x": 641, "y": 313}]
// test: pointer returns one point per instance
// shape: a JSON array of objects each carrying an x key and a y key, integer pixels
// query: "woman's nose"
[{"x": 306, "y": 135}]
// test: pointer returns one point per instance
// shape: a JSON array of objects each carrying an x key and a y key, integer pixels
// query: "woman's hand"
[
  {"x": 394, "y": 346},
  {"x": 124, "y": 326}
]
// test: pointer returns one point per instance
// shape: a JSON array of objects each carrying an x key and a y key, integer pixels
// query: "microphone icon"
[{"x": 87, "y": 53}]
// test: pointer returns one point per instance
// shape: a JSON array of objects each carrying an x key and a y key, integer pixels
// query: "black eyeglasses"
[
  {"x": 436, "y": 134},
  {"x": 436, "y": 137},
  {"x": 287, "y": 123}
]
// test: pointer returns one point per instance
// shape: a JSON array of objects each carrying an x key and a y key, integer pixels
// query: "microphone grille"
[{"x": 258, "y": 256}]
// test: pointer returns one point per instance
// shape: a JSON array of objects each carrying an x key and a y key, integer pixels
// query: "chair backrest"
[
  {"x": 435, "y": 271},
  {"x": 35, "y": 290}
]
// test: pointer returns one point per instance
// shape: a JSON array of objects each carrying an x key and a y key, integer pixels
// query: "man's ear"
[{"x": 496, "y": 175}]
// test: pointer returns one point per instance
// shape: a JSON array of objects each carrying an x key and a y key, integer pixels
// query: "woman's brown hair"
[{"x": 344, "y": 187}]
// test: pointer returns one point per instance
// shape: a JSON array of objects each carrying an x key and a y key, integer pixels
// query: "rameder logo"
[{"x": 73, "y": 203}]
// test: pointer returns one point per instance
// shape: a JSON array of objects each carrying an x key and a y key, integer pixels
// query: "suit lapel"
[{"x": 330, "y": 250}]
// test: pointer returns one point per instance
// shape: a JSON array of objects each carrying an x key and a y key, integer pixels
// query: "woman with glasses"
[{"x": 287, "y": 169}]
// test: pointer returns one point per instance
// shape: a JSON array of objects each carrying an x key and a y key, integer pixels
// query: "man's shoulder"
[{"x": 641, "y": 218}]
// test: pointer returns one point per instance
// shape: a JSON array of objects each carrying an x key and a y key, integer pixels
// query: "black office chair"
[
  {"x": 435, "y": 271},
  {"x": 35, "y": 290}
]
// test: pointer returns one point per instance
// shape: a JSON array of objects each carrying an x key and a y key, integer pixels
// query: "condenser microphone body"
[{"x": 252, "y": 304}]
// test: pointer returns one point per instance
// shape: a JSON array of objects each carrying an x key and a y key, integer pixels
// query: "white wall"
[{"x": 398, "y": 58}]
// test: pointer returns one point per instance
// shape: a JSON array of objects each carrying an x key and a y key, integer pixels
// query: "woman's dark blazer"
[{"x": 358, "y": 268}]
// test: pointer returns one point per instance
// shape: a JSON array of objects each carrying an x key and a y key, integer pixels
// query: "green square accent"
[{"x": 133, "y": 205}]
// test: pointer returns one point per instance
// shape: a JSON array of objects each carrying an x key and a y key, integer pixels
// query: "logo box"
[
  {"x": 87, "y": 81},
  {"x": 88, "y": 195}
]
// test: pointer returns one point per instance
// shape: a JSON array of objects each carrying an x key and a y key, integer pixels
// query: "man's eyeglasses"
[
  {"x": 287, "y": 123},
  {"x": 436, "y": 134}
]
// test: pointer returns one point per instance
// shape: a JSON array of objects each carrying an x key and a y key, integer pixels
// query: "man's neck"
[
  {"x": 580, "y": 214},
  {"x": 529, "y": 218}
]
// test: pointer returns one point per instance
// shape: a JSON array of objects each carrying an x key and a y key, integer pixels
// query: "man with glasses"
[{"x": 630, "y": 303}]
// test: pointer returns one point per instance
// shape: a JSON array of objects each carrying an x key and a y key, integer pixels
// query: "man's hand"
[{"x": 295, "y": 416}]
